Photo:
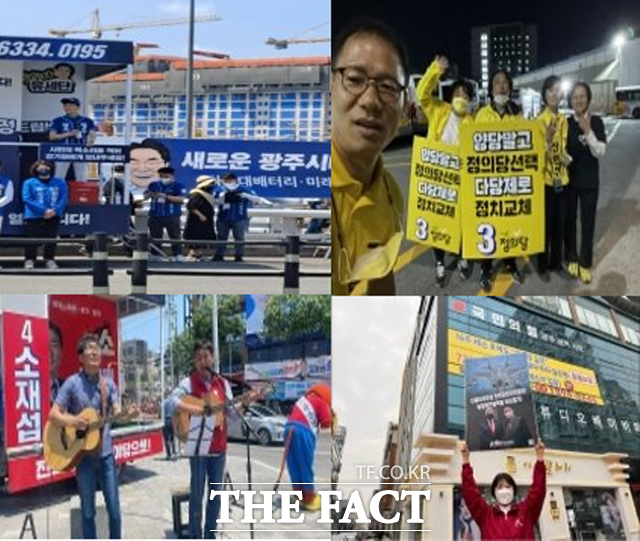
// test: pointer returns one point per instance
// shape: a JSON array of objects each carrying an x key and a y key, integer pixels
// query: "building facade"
[
  {"x": 262, "y": 99},
  {"x": 512, "y": 46},
  {"x": 587, "y": 411}
]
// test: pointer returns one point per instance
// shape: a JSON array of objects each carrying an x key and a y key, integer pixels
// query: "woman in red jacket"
[{"x": 506, "y": 519}]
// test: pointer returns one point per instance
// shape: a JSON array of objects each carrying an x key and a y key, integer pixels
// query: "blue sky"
[
  {"x": 241, "y": 33},
  {"x": 146, "y": 325}
]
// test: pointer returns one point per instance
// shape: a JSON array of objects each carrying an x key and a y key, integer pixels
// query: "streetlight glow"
[{"x": 619, "y": 40}]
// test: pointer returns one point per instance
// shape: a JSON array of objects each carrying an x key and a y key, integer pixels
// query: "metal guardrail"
[
  {"x": 291, "y": 272},
  {"x": 140, "y": 271},
  {"x": 99, "y": 270}
]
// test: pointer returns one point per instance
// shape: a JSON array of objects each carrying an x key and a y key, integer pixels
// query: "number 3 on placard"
[
  {"x": 488, "y": 244},
  {"x": 422, "y": 232}
]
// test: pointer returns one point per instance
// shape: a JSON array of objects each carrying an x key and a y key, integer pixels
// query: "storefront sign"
[
  {"x": 312, "y": 367},
  {"x": 513, "y": 324}
]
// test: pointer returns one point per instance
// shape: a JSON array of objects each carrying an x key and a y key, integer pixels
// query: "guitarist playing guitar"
[
  {"x": 89, "y": 389},
  {"x": 202, "y": 383}
]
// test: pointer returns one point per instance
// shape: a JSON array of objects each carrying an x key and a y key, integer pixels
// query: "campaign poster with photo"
[{"x": 500, "y": 412}]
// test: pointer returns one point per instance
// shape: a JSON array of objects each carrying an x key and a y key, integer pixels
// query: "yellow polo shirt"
[
  {"x": 489, "y": 114},
  {"x": 365, "y": 218}
]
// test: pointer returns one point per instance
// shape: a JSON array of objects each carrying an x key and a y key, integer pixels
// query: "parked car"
[{"x": 268, "y": 426}]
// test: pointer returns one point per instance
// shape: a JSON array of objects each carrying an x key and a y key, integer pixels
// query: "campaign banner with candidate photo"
[
  {"x": 503, "y": 195},
  {"x": 500, "y": 412},
  {"x": 433, "y": 215}
]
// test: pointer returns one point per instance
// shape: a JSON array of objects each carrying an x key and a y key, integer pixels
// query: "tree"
[
  {"x": 230, "y": 324},
  {"x": 287, "y": 317}
]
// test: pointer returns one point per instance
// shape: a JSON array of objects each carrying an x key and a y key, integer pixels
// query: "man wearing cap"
[
  {"x": 72, "y": 129},
  {"x": 113, "y": 189},
  {"x": 167, "y": 196}
]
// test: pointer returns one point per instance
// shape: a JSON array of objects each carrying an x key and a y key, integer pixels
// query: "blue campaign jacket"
[
  {"x": 40, "y": 196},
  {"x": 232, "y": 206},
  {"x": 6, "y": 192}
]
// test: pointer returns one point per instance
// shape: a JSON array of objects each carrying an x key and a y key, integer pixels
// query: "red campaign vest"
[{"x": 199, "y": 388}]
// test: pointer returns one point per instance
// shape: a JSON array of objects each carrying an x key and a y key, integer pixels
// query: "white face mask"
[
  {"x": 230, "y": 186},
  {"x": 504, "y": 496},
  {"x": 500, "y": 100},
  {"x": 166, "y": 180}
]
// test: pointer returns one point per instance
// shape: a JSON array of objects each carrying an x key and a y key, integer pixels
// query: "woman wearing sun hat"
[{"x": 200, "y": 215}]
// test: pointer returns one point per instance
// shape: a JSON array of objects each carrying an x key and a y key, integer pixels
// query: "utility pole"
[{"x": 192, "y": 16}]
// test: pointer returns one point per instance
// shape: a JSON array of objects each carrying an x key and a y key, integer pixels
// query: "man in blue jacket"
[
  {"x": 6, "y": 192},
  {"x": 72, "y": 129},
  {"x": 234, "y": 201},
  {"x": 45, "y": 198},
  {"x": 167, "y": 197}
]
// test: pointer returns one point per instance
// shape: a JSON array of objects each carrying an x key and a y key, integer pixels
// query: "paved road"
[
  {"x": 617, "y": 236},
  {"x": 146, "y": 503},
  {"x": 13, "y": 279}
]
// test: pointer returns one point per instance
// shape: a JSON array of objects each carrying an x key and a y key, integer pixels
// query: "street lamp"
[
  {"x": 619, "y": 40},
  {"x": 189, "y": 89}
]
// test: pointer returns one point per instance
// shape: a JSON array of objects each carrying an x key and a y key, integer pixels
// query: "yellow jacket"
[
  {"x": 489, "y": 114},
  {"x": 362, "y": 216},
  {"x": 554, "y": 168},
  {"x": 436, "y": 110}
]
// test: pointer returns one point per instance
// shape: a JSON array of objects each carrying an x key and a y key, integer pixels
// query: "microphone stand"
[{"x": 248, "y": 430}]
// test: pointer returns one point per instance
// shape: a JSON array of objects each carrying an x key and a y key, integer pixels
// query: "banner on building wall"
[
  {"x": 547, "y": 375},
  {"x": 303, "y": 369},
  {"x": 499, "y": 406}
]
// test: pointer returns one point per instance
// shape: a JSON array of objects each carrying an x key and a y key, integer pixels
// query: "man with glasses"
[{"x": 368, "y": 94}]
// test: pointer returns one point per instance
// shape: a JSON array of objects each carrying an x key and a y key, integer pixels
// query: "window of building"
[
  {"x": 630, "y": 330},
  {"x": 595, "y": 316},
  {"x": 553, "y": 304}
]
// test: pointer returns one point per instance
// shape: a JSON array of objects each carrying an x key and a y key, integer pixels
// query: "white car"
[{"x": 268, "y": 426}]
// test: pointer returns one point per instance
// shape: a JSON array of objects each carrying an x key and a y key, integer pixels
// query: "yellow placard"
[
  {"x": 547, "y": 376},
  {"x": 502, "y": 201},
  {"x": 433, "y": 215}
]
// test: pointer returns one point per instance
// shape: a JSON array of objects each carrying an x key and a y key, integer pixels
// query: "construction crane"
[
  {"x": 284, "y": 43},
  {"x": 211, "y": 54},
  {"x": 97, "y": 28},
  {"x": 138, "y": 46}
]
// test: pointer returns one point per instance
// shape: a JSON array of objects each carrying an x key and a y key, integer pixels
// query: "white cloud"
[{"x": 371, "y": 339}]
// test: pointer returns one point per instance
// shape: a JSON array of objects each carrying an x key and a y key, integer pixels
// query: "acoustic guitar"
[
  {"x": 64, "y": 447},
  {"x": 183, "y": 419}
]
